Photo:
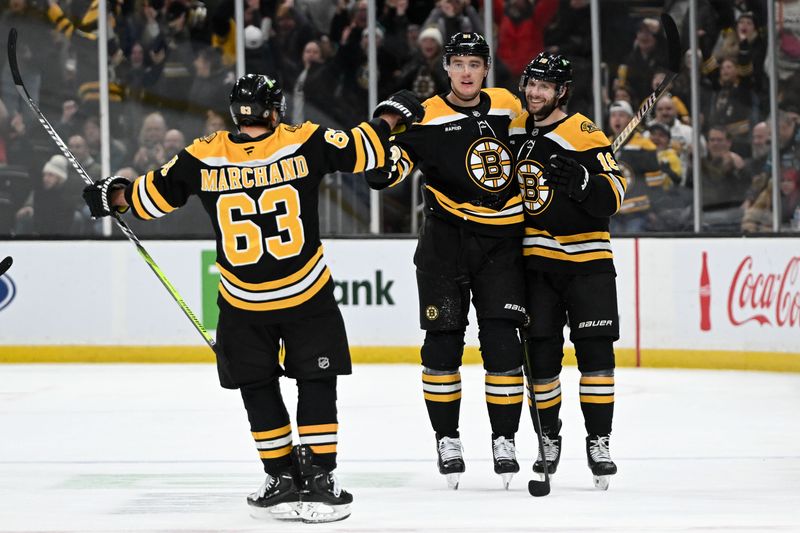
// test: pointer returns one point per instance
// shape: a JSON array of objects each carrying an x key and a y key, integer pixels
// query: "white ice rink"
[{"x": 161, "y": 448}]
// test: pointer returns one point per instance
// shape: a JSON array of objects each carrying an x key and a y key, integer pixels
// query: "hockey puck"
[{"x": 5, "y": 264}]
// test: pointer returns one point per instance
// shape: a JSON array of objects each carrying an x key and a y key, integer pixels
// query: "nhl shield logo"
[{"x": 323, "y": 362}]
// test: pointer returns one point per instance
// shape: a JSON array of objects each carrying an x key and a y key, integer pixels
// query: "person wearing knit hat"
[
  {"x": 431, "y": 32},
  {"x": 54, "y": 172}
]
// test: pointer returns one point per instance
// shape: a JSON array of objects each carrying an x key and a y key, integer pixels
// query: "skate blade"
[
  {"x": 507, "y": 479},
  {"x": 452, "y": 480},
  {"x": 287, "y": 512},
  {"x": 601, "y": 482},
  {"x": 318, "y": 512}
]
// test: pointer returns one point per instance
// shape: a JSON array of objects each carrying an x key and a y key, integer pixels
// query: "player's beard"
[{"x": 547, "y": 109}]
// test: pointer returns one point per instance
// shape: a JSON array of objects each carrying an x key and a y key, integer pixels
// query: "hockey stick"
[
  {"x": 23, "y": 92},
  {"x": 535, "y": 487},
  {"x": 5, "y": 264},
  {"x": 674, "y": 65}
]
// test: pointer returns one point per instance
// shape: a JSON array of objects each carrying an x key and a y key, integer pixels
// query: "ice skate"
[
  {"x": 277, "y": 498},
  {"x": 504, "y": 453},
  {"x": 322, "y": 498},
  {"x": 450, "y": 460},
  {"x": 600, "y": 460},
  {"x": 552, "y": 452}
]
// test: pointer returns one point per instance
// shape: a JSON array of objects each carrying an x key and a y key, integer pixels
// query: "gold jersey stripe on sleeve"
[
  {"x": 510, "y": 214},
  {"x": 577, "y": 237},
  {"x": 358, "y": 140},
  {"x": 280, "y": 299},
  {"x": 617, "y": 188},
  {"x": 154, "y": 194},
  {"x": 374, "y": 142},
  {"x": 148, "y": 202},
  {"x": 136, "y": 201}
]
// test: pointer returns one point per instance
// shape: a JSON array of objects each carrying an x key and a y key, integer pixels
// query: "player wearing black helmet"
[
  {"x": 259, "y": 187},
  {"x": 469, "y": 247},
  {"x": 570, "y": 186}
]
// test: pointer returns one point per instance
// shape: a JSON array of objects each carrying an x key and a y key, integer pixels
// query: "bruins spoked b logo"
[
  {"x": 536, "y": 195},
  {"x": 431, "y": 312},
  {"x": 489, "y": 164}
]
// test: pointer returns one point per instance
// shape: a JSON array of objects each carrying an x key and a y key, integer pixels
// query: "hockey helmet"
[
  {"x": 554, "y": 68},
  {"x": 467, "y": 44},
  {"x": 253, "y": 98}
]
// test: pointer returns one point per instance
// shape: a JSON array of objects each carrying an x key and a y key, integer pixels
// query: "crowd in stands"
[{"x": 172, "y": 63}]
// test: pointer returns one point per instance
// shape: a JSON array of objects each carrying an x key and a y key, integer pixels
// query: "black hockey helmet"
[
  {"x": 554, "y": 68},
  {"x": 253, "y": 97},
  {"x": 467, "y": 44}
]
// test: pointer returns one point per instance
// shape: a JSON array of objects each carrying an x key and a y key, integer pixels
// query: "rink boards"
[{"x": 98, "y": 301}]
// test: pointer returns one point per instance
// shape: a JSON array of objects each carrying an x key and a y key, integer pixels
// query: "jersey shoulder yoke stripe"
[
  {"x": 578, "y": 134},
  {"x": 438, "y": 112},
  {"x": 218, "y": 150},
  {"x": 503, "y": 100}
]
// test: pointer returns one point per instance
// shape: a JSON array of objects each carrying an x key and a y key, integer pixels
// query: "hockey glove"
[
  {"x": 403, "y": 103},
  {"x": 380, "y": 178},
  {"x": 568, "y": 176},
  {"x": 98, "y": 196}
]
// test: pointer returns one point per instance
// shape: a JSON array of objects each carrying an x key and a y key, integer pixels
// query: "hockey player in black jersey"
[
  {"x": 259, "y": 187},
  {"x": 570, "y": 185},
  {"x": 469, "y": 245}
]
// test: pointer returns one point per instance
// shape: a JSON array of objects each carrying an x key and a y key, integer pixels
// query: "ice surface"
[{"x": 161, "y": 448}]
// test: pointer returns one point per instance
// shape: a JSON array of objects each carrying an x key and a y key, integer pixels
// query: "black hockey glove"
[
  {"x": 98, "y": 196},
  {"x": 380, "y": 178},
  {"x": 403, "y": 103},
  {"x": 568, "y": 176}
]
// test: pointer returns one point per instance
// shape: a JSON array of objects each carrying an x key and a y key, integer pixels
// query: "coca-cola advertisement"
[{"x": 738, "y": 295}]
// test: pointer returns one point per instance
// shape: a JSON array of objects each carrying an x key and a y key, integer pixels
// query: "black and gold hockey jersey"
[
  {"x": 638, "y": 162},
  {"x": 466, "y": 163},
  {"x": 560, "y": 233},
  {"x": 262, "y": 197}
]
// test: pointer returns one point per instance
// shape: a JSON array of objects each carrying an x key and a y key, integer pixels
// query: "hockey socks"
[{"x": 442, "y": 391}]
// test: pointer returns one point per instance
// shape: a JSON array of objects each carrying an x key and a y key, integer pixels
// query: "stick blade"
[
  {"x": 12, "y": 56},
  {"x": 5, "y": 264},
  {"x": 673, "y": 42},
  {"x": 538, "y": 489}
]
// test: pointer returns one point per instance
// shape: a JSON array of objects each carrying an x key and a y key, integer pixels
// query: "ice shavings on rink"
[{"x": 160, "y": 448}]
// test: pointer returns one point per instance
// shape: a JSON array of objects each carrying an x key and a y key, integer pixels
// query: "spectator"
[
  {"x": 174, "y": 141},
  {"x": 53, "y": 209},
  {"x": 314, "y": 94},
  {"x": 637, "y": 69},
  {"x": 292, "y": 32},
  {"x": 680, "y": 133},
  {"x": 724, "y": 183},
  {"x": 423, "y": 74},
  {"x": 258, "y": 54},
  {"x": 520, "y": 31},
  {"x": 214, "y": 122},
  {"x": 570, "y": 34},
  {"x": 667, "y": 156},
  {"x": 80, "y": 149},
  {"x": 151, "y": 151},
  {"x": 731, "y": 106},
  {"x": 454, "y": 16},
  {"x": 394, "y": 21},
  {"x": 638, "y": 162},
  {"x": 211, "y": 86}
]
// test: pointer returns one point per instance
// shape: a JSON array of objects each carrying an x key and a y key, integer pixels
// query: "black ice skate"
[
  {"x": 504, "y": 453},
  {"x": 450, "y": 459},
  {"x": 552, "y": 452},
  {"x": 277, "y": 498},
  {"x": 600, "y": 460},
  {"x": 322, "y": 498}
]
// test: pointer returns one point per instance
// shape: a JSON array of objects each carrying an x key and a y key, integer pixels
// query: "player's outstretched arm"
[{"x": 404, "y": 105}]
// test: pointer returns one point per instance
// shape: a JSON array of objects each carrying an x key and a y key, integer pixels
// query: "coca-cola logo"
[{"x": 767, "y": 298}]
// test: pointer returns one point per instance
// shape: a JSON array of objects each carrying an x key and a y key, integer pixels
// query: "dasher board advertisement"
[{"x": 720, "y": 294}]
